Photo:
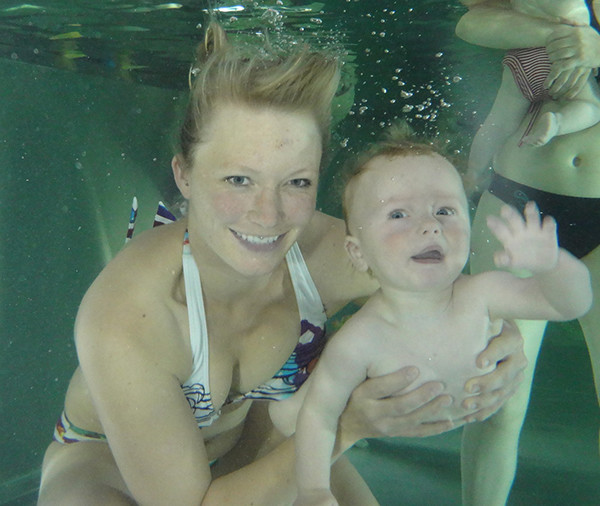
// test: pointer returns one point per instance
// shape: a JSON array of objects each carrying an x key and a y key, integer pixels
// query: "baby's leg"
[{"x": 573, "y": 116}]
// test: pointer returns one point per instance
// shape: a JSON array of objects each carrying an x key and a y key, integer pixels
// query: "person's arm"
[
  {"x": 340, "y": 369},
  {"x": 152, "y": 434},
  {"x": 496, "y": 25},
  {"x": 159, "y": 450},
  {"x": 573, "y": 50},
  {"x": 505, "y": 116},
  {"x": 559, "y": 288},
  {"x": 376, "y": 408}
]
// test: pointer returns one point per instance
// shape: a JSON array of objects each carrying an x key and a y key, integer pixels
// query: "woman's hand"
[
  {"x": 377, "y": 409},
  {"x": 506, "y": 351},
  {"x": 573, "y": 51}
]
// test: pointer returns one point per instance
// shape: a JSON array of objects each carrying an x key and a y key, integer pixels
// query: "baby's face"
[{"x": 409, "y": 221}]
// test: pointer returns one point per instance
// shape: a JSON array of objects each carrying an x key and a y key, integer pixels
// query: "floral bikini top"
[{"x": 298, "y": 366}]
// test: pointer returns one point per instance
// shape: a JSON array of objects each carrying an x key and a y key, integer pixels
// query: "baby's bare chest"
[{"x": 443, "y": 350}]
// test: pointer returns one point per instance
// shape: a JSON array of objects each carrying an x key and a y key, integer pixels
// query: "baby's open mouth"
[{"x": 432, "y": 254}]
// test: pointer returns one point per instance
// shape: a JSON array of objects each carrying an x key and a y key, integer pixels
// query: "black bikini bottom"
[{"x": 578, "y": 218}]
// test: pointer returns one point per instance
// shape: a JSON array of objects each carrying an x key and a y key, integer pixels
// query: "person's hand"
[
  {"x": 376, "y": 408},
  {"x": 529, "y": 243},
  {"x": 506, "y": 351},
  {"x": 574, "y": 51},
  {"x": 316, "y": 497}
]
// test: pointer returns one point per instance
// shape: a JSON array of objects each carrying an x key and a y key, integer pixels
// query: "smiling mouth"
[{"x": 258, "y": 242}]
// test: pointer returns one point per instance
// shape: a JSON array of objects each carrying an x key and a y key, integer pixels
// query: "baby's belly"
[{"x": 452, "y": 365}]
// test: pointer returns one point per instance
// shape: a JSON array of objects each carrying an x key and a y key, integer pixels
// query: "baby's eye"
[
  {"x": 397, "y": 214},
  {"x": 301, "y": 182},
  {"x": 445, "y": 211},
  {"x": 238, "y": 180}
]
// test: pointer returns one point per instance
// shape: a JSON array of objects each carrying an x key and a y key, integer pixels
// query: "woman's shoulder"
[
  {"x": 323, "y": 248},
  {"x": 141, "y": 277},
  {"x": 133, "y": 303}
]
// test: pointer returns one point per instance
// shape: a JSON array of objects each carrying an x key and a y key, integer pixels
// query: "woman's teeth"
[{"x": 258, "y": 239}]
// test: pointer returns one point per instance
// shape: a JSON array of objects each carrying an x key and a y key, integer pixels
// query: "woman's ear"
[
  {"x": 353, "y": 248},
  {"x": 181, "y": 177}
]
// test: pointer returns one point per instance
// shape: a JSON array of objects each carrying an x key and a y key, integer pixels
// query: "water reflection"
[{"x": 76, "y": 145}]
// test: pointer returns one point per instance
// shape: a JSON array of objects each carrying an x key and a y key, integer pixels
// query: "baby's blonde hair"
[{"x": 397, "y": 140}]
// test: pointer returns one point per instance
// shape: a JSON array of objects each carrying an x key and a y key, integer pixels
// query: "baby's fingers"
[
  {"x": 505, "y": 226},
  {"x": 532, "y": 214}
]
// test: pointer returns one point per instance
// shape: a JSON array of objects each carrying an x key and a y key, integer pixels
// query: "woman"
[
  {"x": 563, "y": 177},
  {"x": 146, "y": 331}
]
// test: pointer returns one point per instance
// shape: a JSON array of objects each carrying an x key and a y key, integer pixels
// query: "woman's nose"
[{"x": 266, "y": 210}]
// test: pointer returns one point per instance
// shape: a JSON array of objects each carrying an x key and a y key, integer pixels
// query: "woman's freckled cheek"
[{"x": 227, "y": 206}]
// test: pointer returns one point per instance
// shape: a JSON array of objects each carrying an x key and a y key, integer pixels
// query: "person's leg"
[
  {"x": 489, "y": 452},
  {"x": 570, "y": 116},
  {"x": 82, "y": 473},
  {"x": 490, "y": 448},
  {"x": 590, "y": 323},
  {"x": 349, "y": 487}
]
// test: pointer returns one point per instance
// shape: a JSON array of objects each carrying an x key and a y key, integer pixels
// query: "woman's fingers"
[{"x": 387, "y": 385}]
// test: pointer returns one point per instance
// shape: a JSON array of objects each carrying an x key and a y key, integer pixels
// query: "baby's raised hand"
[{"x": 529, "y": 243}]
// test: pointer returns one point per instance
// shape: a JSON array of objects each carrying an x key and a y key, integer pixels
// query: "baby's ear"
[{"x": 353, "y": 248}]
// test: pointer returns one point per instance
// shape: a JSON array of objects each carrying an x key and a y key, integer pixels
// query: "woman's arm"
[
  {"x": 495, "y": 25},
  {"x": 505, "y": 116},
  {"x": 573, "y": 50}
]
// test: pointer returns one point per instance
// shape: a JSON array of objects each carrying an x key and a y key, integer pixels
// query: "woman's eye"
[
  {"x": 445, "y": 211},
  {"x": 238, "y": 180},
  {"x": 301, "y": 183},
  {"x": 397, "y": 214}
]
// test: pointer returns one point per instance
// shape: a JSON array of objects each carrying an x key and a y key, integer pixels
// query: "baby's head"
[{"x": 405, "y": 200}]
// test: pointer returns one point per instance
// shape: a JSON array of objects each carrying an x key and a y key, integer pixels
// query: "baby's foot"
[{"x": 543, "y": 131}]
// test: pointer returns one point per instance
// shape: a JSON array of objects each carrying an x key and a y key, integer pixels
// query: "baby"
[
  {"x": 408, "y": 225},
  {"x": 523, "y": 91}
]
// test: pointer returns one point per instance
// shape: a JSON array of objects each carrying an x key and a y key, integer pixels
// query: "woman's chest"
[{"x": 248, "y": 344}]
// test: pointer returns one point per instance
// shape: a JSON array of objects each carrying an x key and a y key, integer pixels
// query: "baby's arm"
[
  {"x": 559, "y": 288},
  {"x": 340, "y": 369},
  {"x": 507, "y": 112}
]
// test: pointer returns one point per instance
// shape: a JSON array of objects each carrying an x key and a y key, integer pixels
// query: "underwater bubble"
[
  {"x": 439, "y": 55},
  {"x": 456, "y": 79},
  {"x": 408, "y": 108},
  {"x": 406, "y": 94}
]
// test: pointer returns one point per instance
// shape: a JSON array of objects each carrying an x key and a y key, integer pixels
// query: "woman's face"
[{"x": 252, "y": 187}]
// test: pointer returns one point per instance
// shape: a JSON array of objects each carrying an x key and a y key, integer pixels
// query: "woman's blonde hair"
[{"x": 300, "y": 80}]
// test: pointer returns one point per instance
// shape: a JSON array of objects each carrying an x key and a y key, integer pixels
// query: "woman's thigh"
[{"x": 81, "y": 473}]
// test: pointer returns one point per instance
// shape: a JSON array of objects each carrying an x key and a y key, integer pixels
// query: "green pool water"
[{"x": 90, "y": 98}]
